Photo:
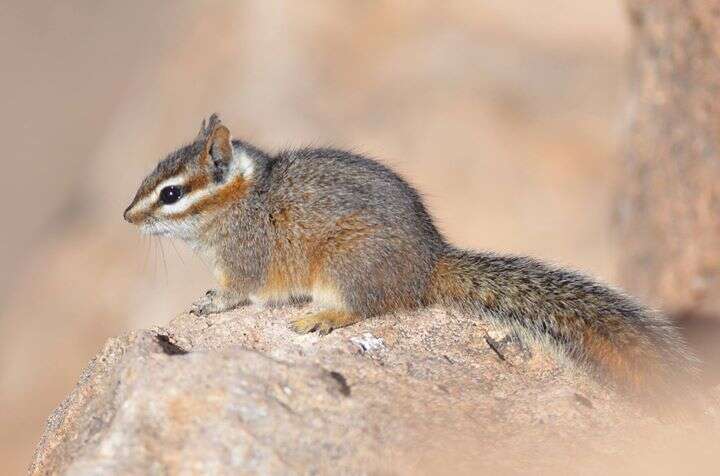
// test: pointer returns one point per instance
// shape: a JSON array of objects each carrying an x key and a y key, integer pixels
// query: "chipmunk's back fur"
[
  {"x": 350, "y": 233},
  {"x": 347, "y": 222}
]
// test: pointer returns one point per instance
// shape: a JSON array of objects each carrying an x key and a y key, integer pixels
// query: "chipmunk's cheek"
[{"x": 149, "y": 228}]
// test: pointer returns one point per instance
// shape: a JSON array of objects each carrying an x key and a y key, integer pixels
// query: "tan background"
[{"x": 507, "y": 114}]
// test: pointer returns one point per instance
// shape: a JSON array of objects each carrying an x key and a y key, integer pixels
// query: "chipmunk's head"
[{"x": 189, "y": 187}]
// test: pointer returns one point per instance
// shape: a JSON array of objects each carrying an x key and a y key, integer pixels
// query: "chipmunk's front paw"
[
  {"x": 214, "y": 301},
  {"x": 208, "y": 304}
]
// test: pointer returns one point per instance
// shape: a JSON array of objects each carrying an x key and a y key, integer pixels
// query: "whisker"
[
  {"x": 155, "y": 257},
  {"x": 146, "y": 252},
  {"x": 164, "y": 261},
  {"x": 202, "y": 260},
  {"x": 172, "y": 243}
]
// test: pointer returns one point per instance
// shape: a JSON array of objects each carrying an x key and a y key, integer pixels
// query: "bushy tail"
[{"x": 595, "y": 326}]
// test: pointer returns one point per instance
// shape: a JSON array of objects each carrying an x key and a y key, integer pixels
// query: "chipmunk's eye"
[{"x": 171, "y": 194}]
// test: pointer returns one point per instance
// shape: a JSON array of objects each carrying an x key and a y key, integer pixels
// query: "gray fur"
[{"x": 385, "y": 253}]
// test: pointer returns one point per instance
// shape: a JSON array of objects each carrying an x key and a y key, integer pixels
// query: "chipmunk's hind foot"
[{"x": 323, "y": 322}]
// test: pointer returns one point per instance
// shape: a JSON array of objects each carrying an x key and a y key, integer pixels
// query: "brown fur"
[{"x": 198, "y": 182}]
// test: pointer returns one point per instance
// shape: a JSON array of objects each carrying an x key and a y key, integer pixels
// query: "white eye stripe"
[
  {"x": 186, "y": 201},
  {"x": 144, "y": 204},
  {"x": 148, "y": 201},
  {"x": 180, "y": 180}
]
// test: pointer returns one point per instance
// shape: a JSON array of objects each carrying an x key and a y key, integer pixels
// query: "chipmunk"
[{"x": 356, "y": 238}]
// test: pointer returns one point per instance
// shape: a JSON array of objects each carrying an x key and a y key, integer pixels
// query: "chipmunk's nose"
[{"x": 126, "y": 215}]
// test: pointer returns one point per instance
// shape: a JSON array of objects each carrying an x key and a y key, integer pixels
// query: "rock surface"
[{"x": 427, "y": 392}]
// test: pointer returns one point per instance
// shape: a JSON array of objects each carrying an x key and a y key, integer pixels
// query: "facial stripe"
[
  {"x": 197, "y": 182},
  {"x": 214, "y": 197},
  {"x": 185, "y": 202},
  {"x": 149, "y": 201},
  {"x": 200, "y": 194},
  {"x": 180, "y": 180},
  {"x": 211, "y": 199}
]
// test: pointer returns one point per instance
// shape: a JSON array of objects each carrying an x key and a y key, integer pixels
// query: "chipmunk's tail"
[{"x": 594, "y": 325}]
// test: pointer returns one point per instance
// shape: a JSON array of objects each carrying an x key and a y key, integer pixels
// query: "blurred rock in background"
[
  {"x": 506, "y": 114},
  {"x": 668, "y": 207}
]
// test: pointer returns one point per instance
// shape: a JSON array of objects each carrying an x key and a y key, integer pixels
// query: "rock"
[
  {"x": 240, "y": 393},
  {"x": 368, "y": 343},
  {"x": 667, "y": 207}
]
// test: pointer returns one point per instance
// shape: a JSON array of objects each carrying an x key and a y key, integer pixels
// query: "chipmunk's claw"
[{"x": 312, "y": 323}]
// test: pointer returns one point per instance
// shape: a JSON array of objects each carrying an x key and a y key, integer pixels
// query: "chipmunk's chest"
[{"x": 212, "y": 259}]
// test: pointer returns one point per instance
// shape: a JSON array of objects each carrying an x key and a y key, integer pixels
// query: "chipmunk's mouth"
[
  {"x": 154, "y": 229},
  {"x": 186, "y": 230}
]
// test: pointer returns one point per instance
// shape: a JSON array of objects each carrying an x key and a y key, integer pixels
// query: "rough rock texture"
[
  {"x": 669, "y": 210},
  {"x": 428, "y": 392}
]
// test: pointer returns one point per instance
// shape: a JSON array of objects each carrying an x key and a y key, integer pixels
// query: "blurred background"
[{"x": 507, "y": 114}]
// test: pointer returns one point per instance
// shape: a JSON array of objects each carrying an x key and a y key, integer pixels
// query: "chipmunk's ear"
[
  {"x": 219, "y": 146},
  {"x": 219, "y": 152},
  {"x": 207, "y": 127},
  {"x": 224, "y": 161}
]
